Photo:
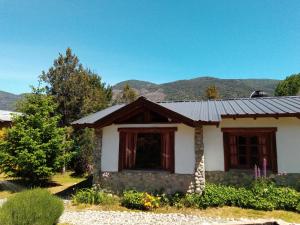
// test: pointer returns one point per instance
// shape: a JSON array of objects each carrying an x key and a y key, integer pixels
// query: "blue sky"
[{"x": 154, "y": 40}]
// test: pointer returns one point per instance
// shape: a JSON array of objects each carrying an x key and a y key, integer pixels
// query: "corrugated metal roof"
[
  {"x": 214, "y": 110},
  {"x": 92, "y": 118},
  {"x": 6, "y": 116}
]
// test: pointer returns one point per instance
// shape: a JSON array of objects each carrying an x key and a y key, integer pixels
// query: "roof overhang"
[{"x": 142, "y": 102}]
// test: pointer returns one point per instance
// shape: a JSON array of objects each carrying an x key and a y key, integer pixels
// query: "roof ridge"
[{"x": 228, "y": 99}]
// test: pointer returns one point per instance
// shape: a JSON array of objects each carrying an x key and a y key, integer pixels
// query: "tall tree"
[
  {"x": 212, "y": 92},
  {"x": 289, "y": 86},
  {"x": 35, "y": 147},
  {"x": 127, "y": 95},
  {"x": 78, "y": 91}
]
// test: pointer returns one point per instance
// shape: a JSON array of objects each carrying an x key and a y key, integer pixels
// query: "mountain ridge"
[
  {"x": 194, "y": 89},
  {"x": 178, "y": 90}
]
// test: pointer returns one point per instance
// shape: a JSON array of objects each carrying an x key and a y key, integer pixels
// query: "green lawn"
[{"x": 59, "y": 183}]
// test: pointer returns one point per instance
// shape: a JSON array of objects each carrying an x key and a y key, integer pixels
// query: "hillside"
[
  {"x": 194, "y": 89},
  {"x": 8, "y": 100}
]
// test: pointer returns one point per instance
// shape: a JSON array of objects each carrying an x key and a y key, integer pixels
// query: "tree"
[
  {"x": 289, "y": 86},
  {"x": 127, "y": 95},
  {"x": 78, "y": 91},
  {"x": 212, "y": 92},
  {"x": 35, "y": 146}
]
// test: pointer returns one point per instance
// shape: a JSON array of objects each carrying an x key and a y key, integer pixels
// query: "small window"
[{"x": 245, "y": 148}]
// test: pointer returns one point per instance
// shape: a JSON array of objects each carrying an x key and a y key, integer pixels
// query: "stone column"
[
  {"x": 97, "y": 156},
  {"x": 199, "y": 184}
]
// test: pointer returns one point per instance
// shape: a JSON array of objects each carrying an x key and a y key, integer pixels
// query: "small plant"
[
  {"x": 35, "y": 206},
  {"x": 94, "y": 197}
]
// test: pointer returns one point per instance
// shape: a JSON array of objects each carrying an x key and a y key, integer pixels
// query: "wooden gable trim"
[
  {"x": 147, "y": 129},
  {"x": 141, "y": 102}
]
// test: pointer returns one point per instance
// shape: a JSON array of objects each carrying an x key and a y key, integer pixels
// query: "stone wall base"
[
  {"x": 244, "y": 178},
  {"x": 154, "y": 181},
  {"x": 159, "y": 181}
]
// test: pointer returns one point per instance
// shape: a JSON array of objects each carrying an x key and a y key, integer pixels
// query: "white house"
[{"x": 177, "y": 146}]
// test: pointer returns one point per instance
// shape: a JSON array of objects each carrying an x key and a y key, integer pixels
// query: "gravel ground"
[{"x": 89, "y": 217}]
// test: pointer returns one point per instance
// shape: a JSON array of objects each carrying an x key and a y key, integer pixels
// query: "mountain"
[
  {"x": 8, "y": 100},
  {"x": 194, "y": 89}
]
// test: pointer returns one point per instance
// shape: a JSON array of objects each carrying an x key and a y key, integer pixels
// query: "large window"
[
  {"x": 246, "y": 147},
  {"x": 147, "y": 148}
]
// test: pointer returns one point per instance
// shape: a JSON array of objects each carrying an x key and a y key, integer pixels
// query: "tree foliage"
[
  {"x": 127, "y": 95},
  {"x": 35, "y": 146},
  {"x": 77, "y": 90},
  {"x": 289, "y": 86},
  {"x": 212, "y": 92}
]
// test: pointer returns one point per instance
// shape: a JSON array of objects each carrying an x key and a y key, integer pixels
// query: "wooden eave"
[{"x": 142, "y": 102}]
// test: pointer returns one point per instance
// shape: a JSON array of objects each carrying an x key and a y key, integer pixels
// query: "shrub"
[
  {"x": 298, "y": 208},
  {"x": 262, "y": 195},
  {"x": 281, "y": 197},
  {"x": 139, "y": 200},
  {"x": 35, "y": 206},
  {"x": 177, "y": 199},
  {"x": 92, "y": 196}
]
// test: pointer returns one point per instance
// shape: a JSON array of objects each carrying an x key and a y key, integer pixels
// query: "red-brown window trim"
[
  {"x": 147, "y": 129},
  {"x": 124, "y": 130},
  {"x": 251, "y": 130}
]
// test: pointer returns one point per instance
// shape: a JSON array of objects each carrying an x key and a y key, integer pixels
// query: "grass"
[
  {"x": 58, "y": 184},
  {"x": 223, "y": 212}
]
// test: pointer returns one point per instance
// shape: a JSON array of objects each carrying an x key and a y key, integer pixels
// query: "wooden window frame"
[
  {"x": 239, "y": 131},
  {"x": 161, "y": 130}
]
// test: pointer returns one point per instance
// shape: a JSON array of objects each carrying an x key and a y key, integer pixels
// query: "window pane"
[
  {"x": 241, "y": 140},
  {"x": 254, "y": 140},
  {"x": 242, "y": 150},
  {"x": 242, "y": 160},
  {"x": 148, "y": 154}
]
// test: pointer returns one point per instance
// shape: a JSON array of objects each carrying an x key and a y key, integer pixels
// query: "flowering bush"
[
  {"x": 150, "y": 201},
  {"x": 140, "y": 200}
]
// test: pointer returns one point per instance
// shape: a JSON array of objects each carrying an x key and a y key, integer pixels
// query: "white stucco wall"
[
  {"x": 184, "y": 147},
  {"x": 287, "y": 141}
]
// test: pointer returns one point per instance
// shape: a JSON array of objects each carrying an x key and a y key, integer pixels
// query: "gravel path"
[{"x": 90, "y": 217}]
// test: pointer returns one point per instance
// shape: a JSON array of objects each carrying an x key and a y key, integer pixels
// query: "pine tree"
[
  {"x": 78, "y": 91},
  {"x": 35, "y": 147}
]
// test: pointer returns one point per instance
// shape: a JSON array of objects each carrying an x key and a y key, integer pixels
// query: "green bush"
[
  {"x": 133, "y": 200},
  {"x": 33, "y": 207},
  {"x": 92, "y": 196},
  {"x": 280, "y": 197},
  {"x": 262, "y": 195},
  {"x": 298, "y": 208}
]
